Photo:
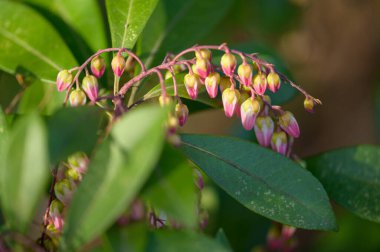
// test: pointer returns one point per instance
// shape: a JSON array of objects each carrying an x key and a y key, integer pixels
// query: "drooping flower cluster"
[
  {"x": 69, "y": 174},
  {"x": 242, "y": 87}
]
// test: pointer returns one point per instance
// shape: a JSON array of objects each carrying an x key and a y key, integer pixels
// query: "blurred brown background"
[{"x": 332, "y": 49}]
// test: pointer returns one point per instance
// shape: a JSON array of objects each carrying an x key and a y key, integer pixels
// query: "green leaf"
[
  {"x": 176, "y": 25},
  {"x": 116, "y": 173},
  {"x": 71, "y": 130},
  {"x": 4, "y": 135},
  {"x": 40, "y": 96},
  {"x": 262, "y": 180},
  {"x": 171, "y": 188},
  {"x": 28, "y": 43},
  {"x": 80, "y": 24},
  {"x": 9, "y": 88},
  {"x": 26, "y": 171},
  {"x": 222, "y": 239},
  {"x": 202, "y": 93},
  {"x": 138, "y": 238},
  {"x": 351, "y": 177},
  {"x": 127, "y": 19}
]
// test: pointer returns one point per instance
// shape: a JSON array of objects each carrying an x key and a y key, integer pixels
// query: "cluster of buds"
[
  {"x": 243, "y": 89},
  {"x": 281, "y": 238},
  {"x": 68, "y": 176}
]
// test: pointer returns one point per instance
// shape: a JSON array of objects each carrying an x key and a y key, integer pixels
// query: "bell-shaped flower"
[
  {"x": 98, "y": 66},
  {"x": 245, "y": 74},
  {"x": 77, "y": 98},
  {"x": 264, "y": 127},
  {"x": 249, "y": 110},
  {"x": 289, "y": 124},
  {"x": 279, "y": 142},
  {"x": 260, "y": 83},
  {"x": 64, "y": 79},
  {"x": 211, "y": 82},
  {"x": 182, "y": 113},
  {"x": 118, "y": 65},
  {"x": 90, "y": 86},
  {"x": 192, "y": 82},
  {"x": 230, "y": 99},
  {"x": 228, "y": 63},
  {"x": 274, "y": 82}
]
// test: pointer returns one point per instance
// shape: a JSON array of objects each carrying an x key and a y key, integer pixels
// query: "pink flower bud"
[
  {"x": 225, "y": 83},
  {"x": 203, "y": 54},
  {"x": 56, "y": 214},
  {"x": 212, "y": 81},
  {"x": 77, "y": 98},
  {"x": 287, "y": 232},
  {"x": 79, "y": 162},
  {"x": 230, "y": 99},
  {"x": 279, "y": 142},
  {"x": 309, "y": 104},
  {"x": 274, "y": 82},
  {"x": 98, "y": 66},
  {"x": 264, "y": 128},
  {"x": 260, "y": 83},
  {"x": 192, "y": 81},
  {"x": 64, "y": 79},
  {"x": 172, "y": 124},
  {"x": 243, "y": 97},
  {"x": 90, "y": 86},
  {"x": 289, "y": 124},
  {"x": 118, "y": 65},
  {"x": 73, "y": 175},
  {"x": 245, "y": 74},
  {"x": 203, "y": 67},
  {"x": 249, "y": 110},
  {"x": 64, "y": 191},
  {"x": 182, "y": 113},
  {"x": 228, "y": 63}
]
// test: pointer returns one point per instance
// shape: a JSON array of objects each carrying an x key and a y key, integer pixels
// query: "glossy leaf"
[
  {"x": 116, "y": 173},
  {"x": 351, "y": 177},
  {"x": 138, "y": 238},
  {"x": 25, "y": 173},
  {"x": 71, "y": 130},
  {"x": 171, "y": 188},
  {"x": 176, "y": 25},
  {"x": 24, "y": 48},
  {"x": 263, "y": 181},
  {"x": 80, "y": 24},
  {"x": 127, "y": 19}
]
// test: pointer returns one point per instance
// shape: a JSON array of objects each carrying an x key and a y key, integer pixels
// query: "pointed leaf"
[
  {"x": 351, "y": 177},
  {"x": 262, "y": 180},
  {"x": 116, "y": 173},
  {"x": 25, "y": 173},
  {"x": 26, "y": 48},
  {"x": 127, "y": 19}
]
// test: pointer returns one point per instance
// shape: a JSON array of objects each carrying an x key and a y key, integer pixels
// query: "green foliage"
[
  {"x": 24, "y": 170},
  {"x": 246, "y": 172},
  {"x": 117, "y": 171},
  {"x": 351, "y": 177},
  {"x": 127, "y": 19}
]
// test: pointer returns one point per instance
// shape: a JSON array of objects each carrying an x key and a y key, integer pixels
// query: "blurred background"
[{"x": 332, "y": 49}]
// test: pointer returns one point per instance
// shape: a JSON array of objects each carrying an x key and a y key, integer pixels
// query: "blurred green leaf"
[
  {"x": 116, "y": 173},
  {"x": 171, "y": 188},
  {"x": 351, "y": 177},
  {"x": 377, "y": 111},
  {"x": 25, "y": 173},
  {"x": 177, "y": 25},
  {"x": 4, "y": 135},
  {"x": 138, "y": 238},
  {"x": 9, "y": 88},
  {"x": 71, "y": 130},
  {"x": 222, "y": 239},
  {"x": 202, "y": 94},
  {"x": 262, "y": 180},
  {"x": 29, "y": 44},
  {"x": 127, "y": 19},
  {"x": 40, "y": 96},
  {"x": 79, "y": 23}
]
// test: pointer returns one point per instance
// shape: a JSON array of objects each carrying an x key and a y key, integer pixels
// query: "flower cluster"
[
  {"x": 69, "y": 174},
  {"x": 242, "y": 87}
]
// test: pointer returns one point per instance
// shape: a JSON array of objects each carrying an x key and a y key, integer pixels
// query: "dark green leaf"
[
  {"x": 29, "y": 44},
  {"x": 25, "y": 173},
  {"x": 262, "y": 180},
  {"x": 176, "y": 25},
  {"x": 222, "y": 239},
  {"x": 171, "y": 188},
  {"x": 138, "y": 238},
  {"x": 71, "y": 130},
  {"x": 351, "y": 177},
  {"x": 116, "y": 173},
  {"x": 80, "y": 24},
  {"x": 127, "y": 19}
]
